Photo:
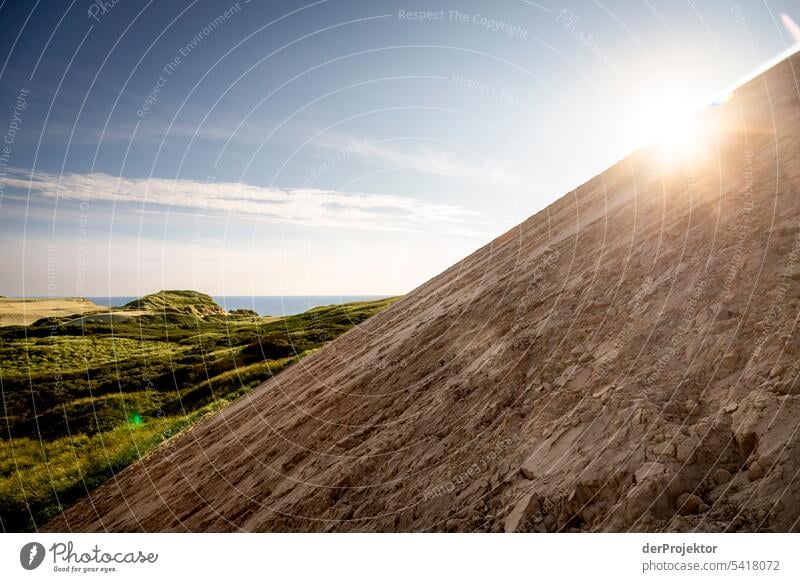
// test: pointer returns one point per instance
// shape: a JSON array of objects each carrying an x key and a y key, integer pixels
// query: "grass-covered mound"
[
  {"x": 83, "y": 401},
  {"x": 184, "y": 302}
]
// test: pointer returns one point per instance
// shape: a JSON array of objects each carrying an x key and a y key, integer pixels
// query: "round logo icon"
[{"x": 31, "y": 555}]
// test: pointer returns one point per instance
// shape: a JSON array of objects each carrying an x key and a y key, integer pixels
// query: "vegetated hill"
[
  {"x": 83, "y": 400},
  {"x": 626, "y": 359},
  {"x": 177, "y": 301}
]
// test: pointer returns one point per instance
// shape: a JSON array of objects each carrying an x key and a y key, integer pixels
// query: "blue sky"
[{"x": 332, "y": 147}]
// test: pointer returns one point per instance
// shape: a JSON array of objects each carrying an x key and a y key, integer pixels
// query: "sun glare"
[{"x": 670, "y": 121}]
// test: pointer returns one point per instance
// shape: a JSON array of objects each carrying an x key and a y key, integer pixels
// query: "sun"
[{"x": 670, "y": 121}]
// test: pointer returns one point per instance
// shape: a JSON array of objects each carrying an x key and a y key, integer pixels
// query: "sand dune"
[
  {"x": 626, "y": 359},
  {"x": 16, "y": 311}
]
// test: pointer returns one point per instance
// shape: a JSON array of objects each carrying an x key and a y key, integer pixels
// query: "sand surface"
[
  {"x": 626, "y": 359},
  {"x": 14, "y": 311}
]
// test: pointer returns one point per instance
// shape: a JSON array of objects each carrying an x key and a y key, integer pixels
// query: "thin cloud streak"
[
  {"x": 430, "y": 161},
  {"x": 299, "y": 206}
]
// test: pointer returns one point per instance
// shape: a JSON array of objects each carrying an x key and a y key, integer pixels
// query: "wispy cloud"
[
  {"x": 431, "y": 160},
  {"x": 300, "y": 206}
]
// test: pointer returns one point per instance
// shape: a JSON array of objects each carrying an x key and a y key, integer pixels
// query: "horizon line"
[{"x": 90, "y": 295}]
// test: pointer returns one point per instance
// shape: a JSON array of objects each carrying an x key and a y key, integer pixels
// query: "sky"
[{"x": 326, "y": 147}]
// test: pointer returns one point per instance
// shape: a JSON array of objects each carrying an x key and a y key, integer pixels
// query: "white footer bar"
[{"x": 386, "y": 557}]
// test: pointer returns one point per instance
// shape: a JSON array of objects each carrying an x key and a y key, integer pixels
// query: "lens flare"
[{"x": 791, "y": 26}]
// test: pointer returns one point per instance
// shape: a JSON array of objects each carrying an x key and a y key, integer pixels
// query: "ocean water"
[{"x": 262, "y": 304}]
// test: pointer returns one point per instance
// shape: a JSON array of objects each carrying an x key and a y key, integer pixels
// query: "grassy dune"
[{"x": 83, "y": 400}]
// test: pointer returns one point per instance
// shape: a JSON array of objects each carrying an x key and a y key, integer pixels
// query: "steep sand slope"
[{"x": 624, "y": 360}]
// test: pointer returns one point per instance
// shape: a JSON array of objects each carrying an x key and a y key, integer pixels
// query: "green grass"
[
  {"x": 74, "y": 353},
  {"x": 82, "y": 402}
]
